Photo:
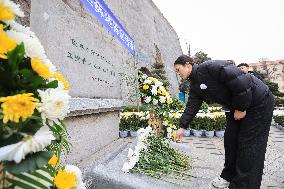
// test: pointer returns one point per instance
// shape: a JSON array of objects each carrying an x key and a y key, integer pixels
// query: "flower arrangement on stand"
[
  {"x": 160, "y": 104},
  {"x": 34, "y": 101},
  {"x": 154, "y": 157}
]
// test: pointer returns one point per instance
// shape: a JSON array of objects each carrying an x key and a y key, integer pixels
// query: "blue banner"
[{"x": 105, "y": 16}]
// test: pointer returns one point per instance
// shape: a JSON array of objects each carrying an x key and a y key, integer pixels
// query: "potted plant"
[
  {"x": 123, "y": 124},
  {"x": 279, "y": 120},
  {"x": 220, "y": 124},
  {"x": 196, "y": 127},
  {"x": 209, "y": 130},
  {"x": 134, "y": 122}
]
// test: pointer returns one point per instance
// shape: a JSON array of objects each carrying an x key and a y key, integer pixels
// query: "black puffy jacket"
[{"x": 223, "y": 83}]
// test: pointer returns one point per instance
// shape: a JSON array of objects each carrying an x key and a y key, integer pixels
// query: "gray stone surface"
[
  {"x": 80, "y": 52},
  {"x": 25, "y": 6},
  {"x": 82, "y": 106},
  {"x": 207, "y": 157},
  {"x": 146, "y": 24},
  {"x": 89, "y": 134},
  {"x": 108, "y": 174},
  {"x": 111, "y": 70}
]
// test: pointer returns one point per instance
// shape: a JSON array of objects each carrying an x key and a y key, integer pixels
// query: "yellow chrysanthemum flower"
[
  {"x": 41, "y": 69},
  {"x": 6, "y": 44},
  {"x": 153, "y": 79},
  {"x": 18, "y": 106},
  {"x": 169, "y": 101},
  {"x": 145, "y": 87},
  {"x": 6, "y": 13},
  {"x": 54, "y": 161},
  {"x": 171, "y": 126},
  {"x": 65, "y": 180},
  {"x": 59, "y": 77}
]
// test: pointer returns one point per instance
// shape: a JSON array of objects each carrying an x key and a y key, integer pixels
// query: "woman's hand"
[
  {"x": 238, "y": 115},
  {"x": 179, "y": 134}
]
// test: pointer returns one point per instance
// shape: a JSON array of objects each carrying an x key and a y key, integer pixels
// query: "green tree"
[
  {"x": 200, "y": 57},
  {"x": 273, "y": 87},
  {"x": 158, "y": 68}
]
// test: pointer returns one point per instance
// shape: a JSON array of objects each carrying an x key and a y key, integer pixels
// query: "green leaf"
[
  {"x": 31, "y": 181},
  {"x": 30, "y": 164},
  {"x": 16, "y": 56},
  {"x": 52, "y": 84},
  {"x": 20, "y": 184},
  {"x": 41, "y": 176}
]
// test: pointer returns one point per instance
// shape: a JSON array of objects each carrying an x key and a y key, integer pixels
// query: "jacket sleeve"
[
  {"x": 238, "y": 82},
  {"x": 192, "y": 107}
]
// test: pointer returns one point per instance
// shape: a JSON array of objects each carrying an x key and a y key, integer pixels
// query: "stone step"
[{"x": 108, "y": 175}]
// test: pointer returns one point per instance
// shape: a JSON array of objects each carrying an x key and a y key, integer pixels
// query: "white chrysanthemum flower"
[
  {"x": 162, "y": 99},
  {"x": 178, "y": 115},
  {"x": 144, "y": 76},
  {"x": 154, "y": 90},
  {"x": 148, "y": 99},
  {"x": 147, "y": 116},
  {"x": 155, "y": 101},
  {"x": 14, "y": 7},
  {"x": 142, "y": 118},
  {"x": 30, "y": 144},
  {"x": 205, "y": 115},
  {"x": 126, "y": 167},
  {"x": 158, "y": 83},
  {"x": 54, "y": 105},
  {"x": 78, "y": 173},
  {"x": 147, "y": 81},
  {"x": 20, "y": 28},
  {"x": 169, "y": 130},
  {"x": 133, "y": 160},
  {"x": 130, "y": 152},
  {"x": 133, "y": 156},
  {"x": 278, "y": 112},
  {"x": 165, "y": 123},
  {"x": 33, "y": 47}
]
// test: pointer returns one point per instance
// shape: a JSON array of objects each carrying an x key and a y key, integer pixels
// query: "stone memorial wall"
[{"x": 101, "y": 71}]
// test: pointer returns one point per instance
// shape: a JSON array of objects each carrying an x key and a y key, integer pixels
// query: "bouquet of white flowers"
[{"x": 154, "y": 157}]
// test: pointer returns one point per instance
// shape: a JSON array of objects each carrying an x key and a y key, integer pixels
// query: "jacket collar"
[{"x": 193, "y": 72}]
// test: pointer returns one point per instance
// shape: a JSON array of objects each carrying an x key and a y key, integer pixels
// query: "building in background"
[{"x": 273, "y": 69}]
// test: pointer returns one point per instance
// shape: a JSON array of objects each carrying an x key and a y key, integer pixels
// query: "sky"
[{"x": 240, "y": 30}]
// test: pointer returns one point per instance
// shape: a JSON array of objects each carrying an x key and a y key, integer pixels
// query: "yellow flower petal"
[
  {"x": 6, "y": 44},
  {"x": 6, "y": 13},
  {"x": 41, "y": 69},
  {"x": 59, "y": 77},
  {"x": 18, "y": 106},
  {"x": 145, "y": 87},
  {"x": 65, "y": 180},
  {"x": 54, "y": 161}
]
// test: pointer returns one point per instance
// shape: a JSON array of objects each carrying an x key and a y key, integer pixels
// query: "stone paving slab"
[{"x": 208, "y": 159}]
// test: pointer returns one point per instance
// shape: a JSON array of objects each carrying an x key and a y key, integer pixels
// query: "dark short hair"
[
  {"x": 183, "y": 59},
  {"x": 243, "y": 64},
  {"x": 231, "y": 61}
]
